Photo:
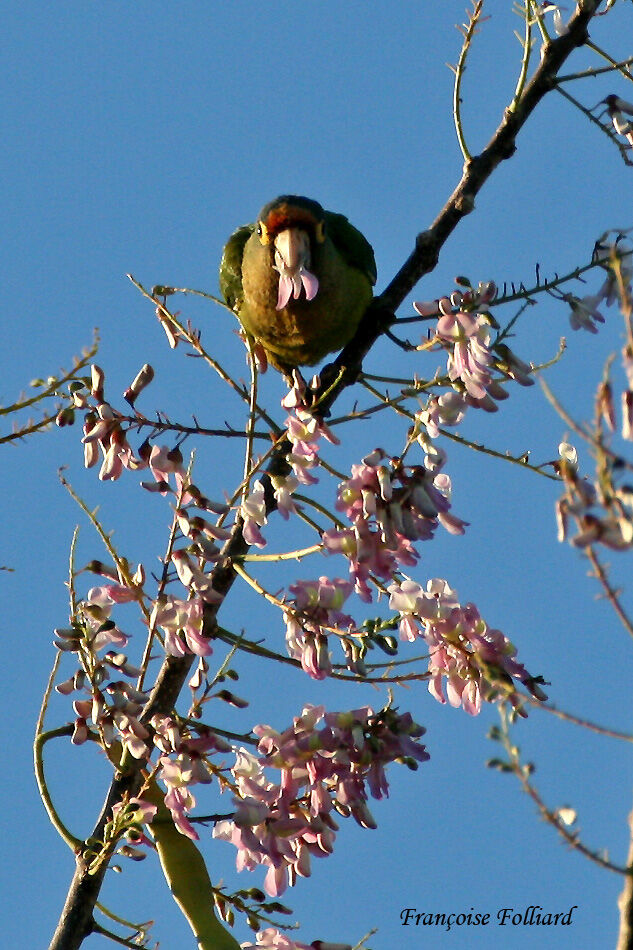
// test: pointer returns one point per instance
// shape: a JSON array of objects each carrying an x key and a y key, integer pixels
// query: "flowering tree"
[{"x": 285, "y": 787}]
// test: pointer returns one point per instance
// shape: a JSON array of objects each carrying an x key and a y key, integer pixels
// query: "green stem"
[
  {"x": 74, "y": 843},
  {"x": 613, "y": 64},
  {"x": 525, "y": 61},
  {"x": 53, "y": 388},
  {"x": 620, "y": 66},
  {"x": 285, "y": 555},
  {"x": 469, "y": 32}
]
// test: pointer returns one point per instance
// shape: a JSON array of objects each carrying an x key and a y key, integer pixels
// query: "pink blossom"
[
  {"x": 164, "y": 462},
  {"x": 180, "y": 801},
  {"x": 133, "y": 733},
  {"x": 584, "y": 312},
  {"x": 183, "y": 623},
  {"x": 253, "y": 512},
  {"x": 470, "y": 359},
  {"x": 326, "y": 761},
  {"x": 142, "y": 379},
  {"x": 101, "y": 629},
  {"x": 273, "y": 939},
  {"x": 316, "y": 607},
  {"x": 110, "y": 594},
  {"x": 171, "y": 331},
  {"x": 304, "y": 431},
  {"x": 197, "y": 528},
  {"x": 295, "y": 398},
  {"x": 390, "y": 507},
  {"x": 469, "y": 661},
  {"x": 194, "y": 579},
  {"x": 186, "y": 769},
  {"x": 103, "y": 431},
  {"x": 463, "y": 328},
  {"x": 445, "y": 410},
  {"x": 284, "y": 486}
]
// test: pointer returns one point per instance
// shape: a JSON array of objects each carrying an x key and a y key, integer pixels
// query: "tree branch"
[
  {"x": 425, "y": 255},
  {"x": 76, "y": 921}
]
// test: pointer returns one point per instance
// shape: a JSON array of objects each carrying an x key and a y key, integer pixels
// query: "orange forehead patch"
[{"x": 287, "y": 216}]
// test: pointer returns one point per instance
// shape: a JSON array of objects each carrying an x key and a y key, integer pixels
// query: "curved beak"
[
  {"x": 292, "y": 251},
  {"x": 292, "y": 261}
]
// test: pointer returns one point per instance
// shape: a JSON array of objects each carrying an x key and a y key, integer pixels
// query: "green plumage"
[{"x": 298, "y": 331}]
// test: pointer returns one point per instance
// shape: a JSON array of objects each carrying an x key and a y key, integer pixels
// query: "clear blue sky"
[{"x": 136, "y": 137}]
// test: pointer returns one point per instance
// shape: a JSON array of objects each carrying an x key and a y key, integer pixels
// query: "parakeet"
[{"x": 299, "y": 280}]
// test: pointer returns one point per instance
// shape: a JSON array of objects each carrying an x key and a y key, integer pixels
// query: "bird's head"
[{"x": 292, "y": 226}]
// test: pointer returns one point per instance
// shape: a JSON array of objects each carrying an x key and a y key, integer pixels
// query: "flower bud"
[
  {"x": 65, "y": 417},
  {"x": 135, "y": 854},
  {"x": 227, "y": 697},
  {"x": 140, "y": 381},
  {"x": 79, "y": 400},
  {"x": 97, "y": 380}
]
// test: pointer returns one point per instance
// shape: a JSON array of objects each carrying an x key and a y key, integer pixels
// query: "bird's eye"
[{"x": 263, "y": 233}]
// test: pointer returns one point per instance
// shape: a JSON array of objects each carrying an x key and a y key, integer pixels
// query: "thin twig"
[
  {"x": 610, "y": 592},
  {"x": 552, "y": 818},
  {"x": 468, "y": 32}
]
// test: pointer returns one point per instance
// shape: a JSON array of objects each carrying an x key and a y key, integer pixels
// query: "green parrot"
[{"x": 299, "y": 280}]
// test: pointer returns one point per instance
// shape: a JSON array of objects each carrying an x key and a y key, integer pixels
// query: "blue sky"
[{"x": 136, "y": 137}]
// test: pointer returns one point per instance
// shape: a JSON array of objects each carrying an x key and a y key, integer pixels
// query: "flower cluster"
[
  {"x": 467, "y": 657},
  {"x": 253, "y": 513},
  {"x": 183, "y": 764},
  {"x": 316, "y": 605},
  {"x": 616, "y": 256},
  {"x": 603, "y": 513},
  {"x": 304, "y": 431},
  {"x": 253, "y": 507},
  {"x": 447, "y": 409},
  {"x": 468, "y": 336},
  {"x": 389, "y": 506},
  {"x": 182, "y": 620},
  {"x": 273, "y": 939},
  {"x": 128, "y": 818},
  {"x": 163, "y": 463},
  {"x": 105, "y": 436},
  {"x": 327, "y": 762},
  {"x": 114, "y": 704},
  {"x": 182, "y": 623},
  {"x": 464, "y": 330}
]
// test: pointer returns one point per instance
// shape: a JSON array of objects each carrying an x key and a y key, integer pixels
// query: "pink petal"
[
  {"x": 446, "y": 326},
  {"x": 426, "y": 308},
  {"x": 296, "y": 286},
  {"x": 435, "y": 688},
  {"x": 310, "y": 283},
  {"x": 285, "y": 290}
]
